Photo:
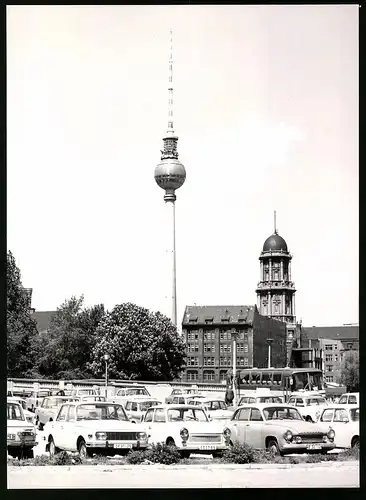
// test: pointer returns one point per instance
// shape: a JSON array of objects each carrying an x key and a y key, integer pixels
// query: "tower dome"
[
  {"x": 275, "y": 242},
  {"x": 170, "y": 174}
]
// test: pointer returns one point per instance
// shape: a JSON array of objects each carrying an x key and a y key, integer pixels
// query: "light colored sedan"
[
  {"x": 49, "y": 409},
  {"x": 279, "y": 428},
  {"x": 21, "y": 435},
  {"x": 30, "y": 417},
  {"x": 215, "y": 408},
  {"x": 310, "y": 407},
  {"x": 345, "y": 420},
  {"x": 95, "y": 427},
  {"x": 188, "y": 428},
  {"x": 137, "y": 406}
]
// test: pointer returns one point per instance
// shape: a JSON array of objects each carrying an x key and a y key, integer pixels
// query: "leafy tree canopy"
[
  {"x": 21, "y": 328},
  {"x": 350, "y": 370},
  {"x": 142, "y": 345}
]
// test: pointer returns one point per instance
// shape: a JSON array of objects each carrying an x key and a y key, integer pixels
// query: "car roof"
[
  {"x": 266, "y": 405},
  {"x": 335, "y": 406},
  {"x": 175, "y": 406}
]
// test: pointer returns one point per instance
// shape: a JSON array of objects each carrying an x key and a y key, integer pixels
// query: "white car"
[
  {"x": 187, "y": 427},
  {"x": 279, "y": 428},
  {"x": 181, "y": 392},
  {"x": 345, "y": 420},
  {"x": 78, "y": 393},
  {"x": 137, "y": 406},
  {"x": 89, "y": 428},
  {"x": 49, "y": 408},
  {"x": 36, "y": 398},
  {"x": 125, "y": 393},
  {"x": 215, "y": 408},
  {"x": 21, "y": 435},
  {"x": 310, "y": 407},
  {"x": 351, "y": 398},
  {"x": 184, "y": 399},
  {"x": 30, "y": 417}
]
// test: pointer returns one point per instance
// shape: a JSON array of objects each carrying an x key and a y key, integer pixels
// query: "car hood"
[
  {"x": 108, "y": 425},
  {"x": 198, "y": 427},
  {"x": 297, "y": 426},
  {"x": 17, "y": 424}
]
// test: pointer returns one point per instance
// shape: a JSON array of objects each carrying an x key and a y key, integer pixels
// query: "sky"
[{"x": 266, "y": 110}]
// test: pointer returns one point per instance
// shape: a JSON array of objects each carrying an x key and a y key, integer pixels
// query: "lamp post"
[
  {"x": 106, "y": 359},
  {"x": 269, "y": 340},
  {"x": 233, "y": 336}
]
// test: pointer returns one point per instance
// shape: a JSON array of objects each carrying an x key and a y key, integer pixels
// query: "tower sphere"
[
  {"x": 170, "y": 174},
  {"x": 275, "y": 242}
]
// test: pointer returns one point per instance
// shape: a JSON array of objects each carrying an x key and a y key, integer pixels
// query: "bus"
[{"x": 282, "y": 382}]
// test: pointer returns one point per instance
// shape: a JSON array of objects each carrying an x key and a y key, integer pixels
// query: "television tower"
[{"x": 170, "y": 175}]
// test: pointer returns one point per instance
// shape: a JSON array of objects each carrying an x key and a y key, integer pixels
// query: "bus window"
[
  {"x": 266, "y": 378},
  {"x": 277, "y": 378},
  {"x": 256, "y": 378},
  {"x": 300, "y": 381},
  {"x": 245, "y": 379}
]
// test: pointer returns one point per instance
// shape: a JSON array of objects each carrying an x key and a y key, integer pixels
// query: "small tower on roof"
[
  {"x": 275, "y": 290},
  {"x": 170, "y": 175}
]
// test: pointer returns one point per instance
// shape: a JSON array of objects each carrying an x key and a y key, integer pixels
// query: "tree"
[
  {"x": 142, "y": 345},
  {"x": 21, "y": 328},
  {"x": 67, "y": 345},
  {"x": 350, "y": 371}
]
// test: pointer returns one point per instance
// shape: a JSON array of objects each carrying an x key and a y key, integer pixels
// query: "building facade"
[{"x": 209, "y": 331}]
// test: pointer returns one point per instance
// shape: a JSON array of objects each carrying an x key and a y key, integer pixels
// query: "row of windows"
[
  {"x": 210, "y": 361},
  {"x": 331, "y": 357},
  {"x": 329, "y": 379},
  {"x": 224, "y": 335},
  {"x": 228, "y": 361},
  {"x": 207, "y": 375},
  {"x": 224, "y": 348}
]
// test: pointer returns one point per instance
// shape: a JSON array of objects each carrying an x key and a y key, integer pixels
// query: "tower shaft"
[{"x": 170, "y": 205}]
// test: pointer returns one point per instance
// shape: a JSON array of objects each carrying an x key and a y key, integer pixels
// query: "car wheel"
[
  {"x": 28, "y": 453},
  {"x": 185, "y": 454},
  {"x": 13, "y": 453},
  {"x": 83, "y": 450},
  {"x": 217, "y": 454},
  {"x": 273, "y": 448},
  {"x": 355, "y": 442},
  {"x": 52, "y": 448},
  {"x": 170, "y": 442}
]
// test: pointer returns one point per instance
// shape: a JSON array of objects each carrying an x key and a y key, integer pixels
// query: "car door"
[
  {"x": 148, "y": 422},
  {"x": 70, "y": 430},
  {"x": 239, "y": 422},
  {"x": 43, "y": 411},
  {"x": 253, "y": 429},
  {"x": 341, "y": 427},
  {"x": 57, "y": 427},
  {"x": 159, "y": 425}
]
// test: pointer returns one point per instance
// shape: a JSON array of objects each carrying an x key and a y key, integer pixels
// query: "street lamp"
[
  {"x": 269, "y": 340},
  {"x": 233, "y": 336},
  {"x": 106, "y": 359}
]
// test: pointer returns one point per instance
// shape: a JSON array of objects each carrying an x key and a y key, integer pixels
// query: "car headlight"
[
  {"x": 331, "y": 435},
  {"x": 11, "y": 436},
  {"x": 101, "y": 435},
  {"x": 184, "y": 434},
  {"x": 288, "y": 435},
  {"x": 142, "y": 436}
]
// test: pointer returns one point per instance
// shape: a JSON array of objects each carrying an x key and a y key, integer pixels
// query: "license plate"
[
  {"x": 207, "y": 447},
  {"x": 314, "y": 447},
  {"x": 122, "y": 445}
]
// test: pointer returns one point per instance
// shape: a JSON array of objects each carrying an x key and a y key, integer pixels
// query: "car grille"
[
  {"x": 198, "y": 438},
  {"x": 120, "y": 436},
  {"x": 312, "y": 437}
]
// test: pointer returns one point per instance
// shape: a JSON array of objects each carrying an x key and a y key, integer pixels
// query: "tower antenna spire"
[
  {"x": 275, "y": 228},
  {"x": 170, "y": 130}
]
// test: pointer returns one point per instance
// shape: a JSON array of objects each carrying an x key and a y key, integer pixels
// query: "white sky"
[{"x": 266, "y": 109}]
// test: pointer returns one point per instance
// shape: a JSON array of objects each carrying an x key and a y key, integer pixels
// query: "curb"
[{"x": 213, "y": 467}]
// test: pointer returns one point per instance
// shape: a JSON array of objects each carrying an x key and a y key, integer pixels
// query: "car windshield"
[
  {"x": 186, "y": 414},
  {"x": 269, "y": 399},
  {"x": 14, "y": 411},
  {"x": 55, "y": 402},
  {"x": 315, "y": 401},
  {"x": 145, "y": 405},
  {"x": 134, "y": 392},
  {"x": 355, "y": 414},
  {"x": 281, "y": 413},
  {"x": 100, "y": 412}
]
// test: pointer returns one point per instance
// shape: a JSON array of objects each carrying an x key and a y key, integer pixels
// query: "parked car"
[
  {"x": 279, "y": 428},
  {"x": 137, "y": 406},
  {"x": 49, "y": 409},
  {"x": 216, "y": 409},
  {"x": 91, "y": 399},
  {"x": 125, "y": 393},
  {"x": 36, "y": 398},
  {"x": 78, "y": 393},
  {"x": 184, "y": 398},
  {"x": 182, "y": 391},
  {"x": 310, "y": 407},
  {"x": 29, "y": 416},
  {"x": 187, "y": 427},
  {"x": 345, "y": 420},
  {"x": 259, "y": 399},
  {"x": 90, "y": 428},
  {"x": 351, "y": 398},
  {"x": 21, "y": 435}
]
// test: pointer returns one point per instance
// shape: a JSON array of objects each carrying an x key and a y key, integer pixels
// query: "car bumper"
[
  {"x": 21, "y": 444},
  {"x": 117, "y": 445},
  {"x": 307, "y": 447},
  {"x": 203, "y": 447}
]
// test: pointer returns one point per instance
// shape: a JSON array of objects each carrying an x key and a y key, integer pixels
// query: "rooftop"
[
  {"x": 332, "y": 332},
  {"x": 218, "y": 314}
]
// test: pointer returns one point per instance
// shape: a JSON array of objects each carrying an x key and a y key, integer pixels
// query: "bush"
[
  {"x": 349, "y": 454},
  {"x": 162, "y": 453},
  {"x": 136, "y": 457},
  {"x": 239, "y": 454}
]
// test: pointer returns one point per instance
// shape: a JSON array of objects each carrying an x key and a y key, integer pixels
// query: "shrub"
[
  {"x": 41, "y": 460},
  {"x": 239, "y": 454},
  {"x": 350, "y": 454},
  {"x": 136, "y": 457},
  {"x": 62, "y": 458},
  {"x": 162, "y": 453}
]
